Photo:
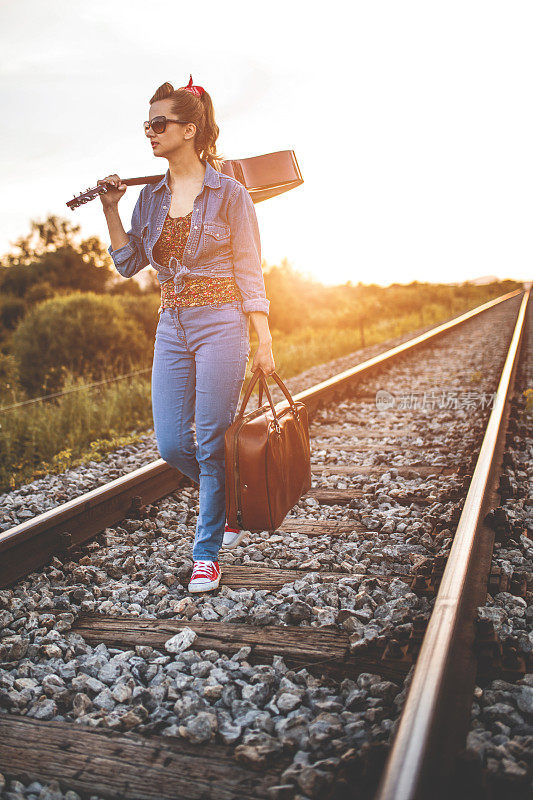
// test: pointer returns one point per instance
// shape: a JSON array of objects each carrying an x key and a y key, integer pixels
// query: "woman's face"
[{"x": 174, "y": 137}]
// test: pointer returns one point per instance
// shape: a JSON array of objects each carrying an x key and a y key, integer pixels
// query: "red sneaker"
[
  {"x": 232, "y": 536},
  {"x": 205, "y": 576}
]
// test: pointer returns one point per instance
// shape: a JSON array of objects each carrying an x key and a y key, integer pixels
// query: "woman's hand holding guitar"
[{"x": 112, "y": 196}]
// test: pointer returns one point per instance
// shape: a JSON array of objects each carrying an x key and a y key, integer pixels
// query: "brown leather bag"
[{"x": 268, "y": 460}]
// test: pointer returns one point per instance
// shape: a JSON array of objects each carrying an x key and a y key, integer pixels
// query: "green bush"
[
  {"x": 86, "y": 334},
  {"x": 142, "y": 309}
]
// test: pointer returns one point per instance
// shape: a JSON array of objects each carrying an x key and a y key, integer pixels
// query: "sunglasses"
[{"x": 159, "y": 124}]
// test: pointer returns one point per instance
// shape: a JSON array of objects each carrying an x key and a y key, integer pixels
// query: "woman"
[{"x": 198, "y": 228}]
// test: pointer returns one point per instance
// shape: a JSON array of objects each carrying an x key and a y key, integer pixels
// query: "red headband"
[{"x": 197, "y": 90}]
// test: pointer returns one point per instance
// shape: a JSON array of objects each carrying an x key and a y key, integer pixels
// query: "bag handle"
[{"x": 260, "y": 375}]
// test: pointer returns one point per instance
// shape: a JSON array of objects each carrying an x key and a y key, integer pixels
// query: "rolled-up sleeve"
[
  {"x": 246, "y": 247},
  {"x": 131, "y": 258}
]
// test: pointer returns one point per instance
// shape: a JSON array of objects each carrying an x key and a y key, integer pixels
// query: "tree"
[
  {"x": 51, "y": 253},
  {"x": 44, "y": 237}
]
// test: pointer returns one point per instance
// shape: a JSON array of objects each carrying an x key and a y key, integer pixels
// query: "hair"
[{"x": 200, "y": 111}]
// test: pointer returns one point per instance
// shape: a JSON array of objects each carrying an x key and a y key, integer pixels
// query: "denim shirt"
[{"x": 223, "y": 239}]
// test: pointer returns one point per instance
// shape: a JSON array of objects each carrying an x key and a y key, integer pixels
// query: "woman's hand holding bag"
[{"x": 268, "y": 460}]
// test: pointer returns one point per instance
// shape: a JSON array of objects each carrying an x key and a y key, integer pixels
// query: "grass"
[
  {"x": 310, "y": 347},
  {"x": 51, "y": 437},
  {"x": 85, "y": 425}
]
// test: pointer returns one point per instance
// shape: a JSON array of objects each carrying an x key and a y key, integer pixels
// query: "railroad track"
[{"x": 291, "y": 679}]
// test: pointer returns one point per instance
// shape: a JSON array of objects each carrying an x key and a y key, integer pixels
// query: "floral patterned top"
[{"x": 197, "y": 291}]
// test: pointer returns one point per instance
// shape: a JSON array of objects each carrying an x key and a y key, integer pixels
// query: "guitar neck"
[{"x": 146, "y": 179}]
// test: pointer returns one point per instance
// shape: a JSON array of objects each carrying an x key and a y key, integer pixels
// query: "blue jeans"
[{"x": 200, "y": 357}]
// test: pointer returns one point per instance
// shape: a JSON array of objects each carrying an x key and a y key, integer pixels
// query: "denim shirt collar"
[
  {"x": 211, "y": 179},
  {"x": 176, "y": 270}
]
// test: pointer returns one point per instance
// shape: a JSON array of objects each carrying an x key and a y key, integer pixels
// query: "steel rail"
[
  {"x": 31, "y": 544},
  {"x": 434, "y": 722},
  {"x": 80, "y": 519}
]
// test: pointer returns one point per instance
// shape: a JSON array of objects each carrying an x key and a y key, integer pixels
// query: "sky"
[{"x": 412, "y": 122}]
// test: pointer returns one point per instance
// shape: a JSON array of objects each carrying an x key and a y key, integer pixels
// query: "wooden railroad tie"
[
  {"x": 128, "y": 765},
  {"x": 322, "y": 651}
]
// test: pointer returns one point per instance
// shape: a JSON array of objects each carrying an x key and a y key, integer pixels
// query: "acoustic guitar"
[{"x": 264, "y": 176}]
